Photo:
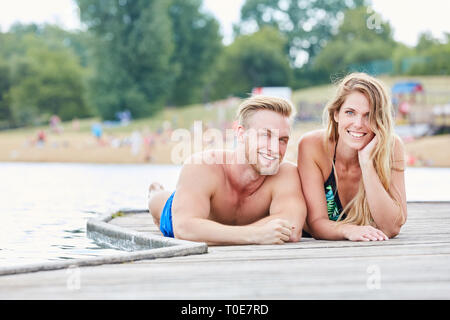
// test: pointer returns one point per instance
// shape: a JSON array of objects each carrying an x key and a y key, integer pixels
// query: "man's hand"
[{"x": 277, "y": 231}]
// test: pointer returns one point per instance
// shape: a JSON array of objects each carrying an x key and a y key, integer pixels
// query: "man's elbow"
[
  {"x": 296, "y": 236},
  {"x": 296, "y": 232},
  {"x": 181, "y": 229}
]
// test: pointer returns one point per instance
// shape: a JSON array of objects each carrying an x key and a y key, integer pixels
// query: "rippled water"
[{"x": 44, "y": 207}]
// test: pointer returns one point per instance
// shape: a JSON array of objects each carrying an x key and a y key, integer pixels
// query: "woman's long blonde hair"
[{"x": 381, "y": 123}]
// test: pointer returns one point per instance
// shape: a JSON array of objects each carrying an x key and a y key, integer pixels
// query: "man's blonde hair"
[{"x": 253, "y": 104}]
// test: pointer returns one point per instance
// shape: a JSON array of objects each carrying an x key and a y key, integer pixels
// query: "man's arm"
[
  {"x": 191, "y": 207},
  {"x": 288, "y": 202}
]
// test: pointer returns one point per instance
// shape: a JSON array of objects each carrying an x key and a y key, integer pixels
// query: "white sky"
[{"x": 408, "y": 17}]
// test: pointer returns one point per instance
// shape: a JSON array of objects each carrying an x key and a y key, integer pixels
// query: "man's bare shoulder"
[
  {"x": 203, "y": 167},
  {"x": 286, "y": 175},
  {"x": 287, "y": 168},
  {"x": 209, "y": 157}
]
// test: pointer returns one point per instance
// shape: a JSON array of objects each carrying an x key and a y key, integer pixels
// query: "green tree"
[
  {"x": 252, "y": 61},
  {"x": 5, "y": 84},
  {"x": 197, "y": 44},
  {"x": 308, "y": 25},
  {"x": 367, "y": 43},
  {"x": 38, "y": 78},
  {"x": 53, "y": 36},
  {"x": 46, "y": 82},
  {"x": 425, "y": 41},
  {"x": 432, "y": 56},
  {"x": 132, "y": 55}
]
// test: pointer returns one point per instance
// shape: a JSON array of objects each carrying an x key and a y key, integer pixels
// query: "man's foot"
[{"x": 154, "y": 188}]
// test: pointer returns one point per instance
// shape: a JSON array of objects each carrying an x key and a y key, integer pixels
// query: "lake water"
[{"x": 44, "y": 207}]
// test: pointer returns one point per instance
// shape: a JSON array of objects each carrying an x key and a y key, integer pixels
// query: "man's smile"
[{"x": 267, "y": 156}]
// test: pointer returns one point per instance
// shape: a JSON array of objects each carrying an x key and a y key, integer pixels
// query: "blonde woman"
[{"x": 352, "y": 172}]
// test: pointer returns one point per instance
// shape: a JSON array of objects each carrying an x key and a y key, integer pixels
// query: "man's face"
[{"x": 266, "y": 139}]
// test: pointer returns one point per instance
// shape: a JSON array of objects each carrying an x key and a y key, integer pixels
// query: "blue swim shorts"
[{"x": 165, "y": 222}]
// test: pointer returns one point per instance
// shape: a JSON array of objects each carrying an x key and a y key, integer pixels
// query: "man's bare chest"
[{"x": 231, "y": 208}]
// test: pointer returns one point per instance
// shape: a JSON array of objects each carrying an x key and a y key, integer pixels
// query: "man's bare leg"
[{"x": 157, "y": 198}]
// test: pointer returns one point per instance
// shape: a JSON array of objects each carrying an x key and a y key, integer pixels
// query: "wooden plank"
[
  {"x": 306, "y": 279},
  {"x": 412, "y": 266}
]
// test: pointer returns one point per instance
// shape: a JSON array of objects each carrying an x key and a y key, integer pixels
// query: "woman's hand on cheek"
[{"x": 364, "y": 153}]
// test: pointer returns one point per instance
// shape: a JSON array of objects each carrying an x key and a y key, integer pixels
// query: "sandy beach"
[{"x": 83, "y": 147}]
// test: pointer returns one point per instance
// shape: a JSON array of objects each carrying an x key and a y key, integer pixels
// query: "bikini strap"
[{"x": 334, "y": 156}]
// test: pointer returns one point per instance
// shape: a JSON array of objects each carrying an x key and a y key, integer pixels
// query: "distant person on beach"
[
  {"x": 352, "y": 172},
  {"x": 41, "y": 138},
  {"x": 97, "y": 131},
  {"x": 55, "y": 124},
  {"x": 241, "y": 196},
  {"x": 404, "y": 109}
]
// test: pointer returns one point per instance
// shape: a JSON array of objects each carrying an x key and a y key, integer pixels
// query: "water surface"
[{"x": 44, "y": 207}]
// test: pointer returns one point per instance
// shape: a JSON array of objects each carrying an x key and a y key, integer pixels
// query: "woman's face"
[{"x": 353, "y": 121}]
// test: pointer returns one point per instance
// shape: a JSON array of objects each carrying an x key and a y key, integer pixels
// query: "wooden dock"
[{"x": 415, "y": 265}]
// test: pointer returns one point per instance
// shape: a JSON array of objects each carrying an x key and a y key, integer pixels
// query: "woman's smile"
[{"x": 356, "y": 134}]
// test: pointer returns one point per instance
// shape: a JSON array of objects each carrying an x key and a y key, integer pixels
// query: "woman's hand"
[
  {"x": 363, "y": 233},
  {"x": 364, "y": 153}
]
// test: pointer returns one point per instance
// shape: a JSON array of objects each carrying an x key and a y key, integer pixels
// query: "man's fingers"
[
  {"x": 286, "y": 231},
  {"x": 283, "y": 230},
  {"x": 284, "y": 226},
  {"x": 284, "y": 223},
  {"x": 284, "y": 237}
]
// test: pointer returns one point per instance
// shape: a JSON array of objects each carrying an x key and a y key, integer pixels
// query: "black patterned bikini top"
[{"x": 334, "y": 205}]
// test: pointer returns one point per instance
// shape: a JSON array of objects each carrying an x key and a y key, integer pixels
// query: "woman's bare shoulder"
[{"x": 313, "y": 142}]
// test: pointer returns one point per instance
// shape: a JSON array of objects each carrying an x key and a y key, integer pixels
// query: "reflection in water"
[{"x": 44, "y": 207}]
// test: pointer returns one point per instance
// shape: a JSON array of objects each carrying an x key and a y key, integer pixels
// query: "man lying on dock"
[{"x": 241, "y": 196}]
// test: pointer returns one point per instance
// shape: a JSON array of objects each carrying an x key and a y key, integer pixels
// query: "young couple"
[{"x": 348, "y": 182}]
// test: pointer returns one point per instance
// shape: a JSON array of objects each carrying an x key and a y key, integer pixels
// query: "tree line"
[{"x": 142, "y": 55}]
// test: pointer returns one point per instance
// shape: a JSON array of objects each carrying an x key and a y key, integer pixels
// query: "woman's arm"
[
  {"x": 309, "y": 149},
  {"x": 317, "y": 214},
  {"x": 389, "y": 213}
]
